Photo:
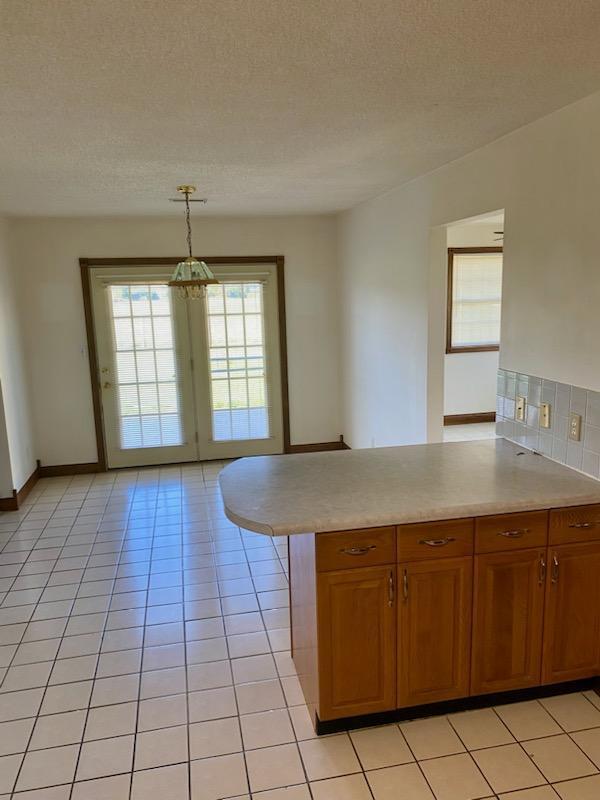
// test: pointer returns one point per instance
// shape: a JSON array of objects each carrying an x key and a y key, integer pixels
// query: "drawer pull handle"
[
  {"x": 555, "y": 568},
  {"x": 583, "y": 525},
  {"x": 437, "y": 542},
  {"x": 357, "y": 551},
  {"x": 405, "y": 585},
  {"x": 542, "y": 576},
  {"x": 520, "y": 532}
]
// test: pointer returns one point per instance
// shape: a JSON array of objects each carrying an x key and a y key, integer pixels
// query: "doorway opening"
[
  {"x": 474, "y": 300},
  {"x": 177, "y": 380}
]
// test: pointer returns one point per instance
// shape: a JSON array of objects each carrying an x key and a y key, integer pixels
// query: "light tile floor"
[
  {"x": 144, "y": 655},
  {"x": 473, "y": 431}
]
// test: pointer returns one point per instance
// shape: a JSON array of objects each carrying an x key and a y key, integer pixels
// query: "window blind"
[{"x": 476, "y": 299}]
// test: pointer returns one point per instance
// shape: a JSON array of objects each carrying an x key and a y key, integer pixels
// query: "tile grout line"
[
  {"x": 287, "y": 708},
  {"x": 89, "y": 705},
  {"x": 143, "y": 643},
  {"x": 468, "y": 752},
  {"x": 45, "y": 688},
  {"x": 185, "y": 650}
]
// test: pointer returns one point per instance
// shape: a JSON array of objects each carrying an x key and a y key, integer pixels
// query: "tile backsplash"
[{"x": 552, "y": 442}]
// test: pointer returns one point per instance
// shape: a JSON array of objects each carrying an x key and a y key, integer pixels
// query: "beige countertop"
[{"x": 346, "y": 489}]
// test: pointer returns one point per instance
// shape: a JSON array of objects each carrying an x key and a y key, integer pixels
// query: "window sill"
[{"x": 483, "y": 348}]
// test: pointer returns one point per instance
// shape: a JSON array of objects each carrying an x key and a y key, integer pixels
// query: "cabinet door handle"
[
  {"x": 583, "y": 525},
  {"x": 391, "y": 590},
  {"x": 555, "y": 568},
  {"x": 405, "y": 585},
  {"x": 516, "y": 534},
  {"x": 542, "y": 576},
  {"x": 357, "y": 551},
  {"x": 437, "y": 542}
]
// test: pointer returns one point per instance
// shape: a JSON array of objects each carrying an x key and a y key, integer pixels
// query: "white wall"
[
  {"x": 17, "y": 453},
  {"x": 49, "y": 250},
  {"x": 6, "y": 481},
  {"x": 384, "y": 327},
  {"x": 546, "y": 178},
  {"x": 470, "y": 378},
  {"x": 470, "y": 382}
]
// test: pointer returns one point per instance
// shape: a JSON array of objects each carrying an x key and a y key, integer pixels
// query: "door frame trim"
[{"x": 85, "y": 264}]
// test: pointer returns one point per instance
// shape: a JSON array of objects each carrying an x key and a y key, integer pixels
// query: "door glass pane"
[
  {"x": 236, "y": 343},
  {"x": 146, "y": 366}
]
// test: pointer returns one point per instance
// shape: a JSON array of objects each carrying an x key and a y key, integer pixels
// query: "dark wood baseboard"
[
  {"x": 14, "y": 502},
  {"x": 318, "y": 447},
  {"x": 9, "y": 503},
  {"x": 28, "y": 485},
  {"x": 466, "y": 419},
  {"x": 58, "y": 470},
  {"x": 454, "y": 706},
  {"x": 18, "y": 495}
]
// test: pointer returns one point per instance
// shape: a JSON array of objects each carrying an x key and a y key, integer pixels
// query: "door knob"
[{"x": 107, "y": 385}]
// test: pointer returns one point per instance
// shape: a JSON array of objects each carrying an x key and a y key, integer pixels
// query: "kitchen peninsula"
[{"x": 429, "y": 574}]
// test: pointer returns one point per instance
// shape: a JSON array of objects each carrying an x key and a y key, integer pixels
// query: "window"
[
  {"x": 147, "y": 382},
  {"x": 236, "y": 344},
  {"x": 474, "y": 299}
]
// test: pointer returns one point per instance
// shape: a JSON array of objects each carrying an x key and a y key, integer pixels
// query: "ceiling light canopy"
[{"x": 191, "y": 277}]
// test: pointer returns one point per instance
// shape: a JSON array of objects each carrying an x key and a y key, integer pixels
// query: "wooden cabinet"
[
  {"x": 356, "y": 620},
  {"x": 577, "y": 524},
  {"x": 434, "y": 633},
  {"x": 355, "y": 549},
  {"x": 425, "y": 540},
  {"x": 572, "y": 627},
  {"x": 508, "y": 615},
  {"x": 511, "y": 532},
  {"x": 395, "y": 617}
]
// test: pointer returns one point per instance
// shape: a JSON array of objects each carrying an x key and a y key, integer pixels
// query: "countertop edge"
[
  {"x": 249, "y": 525},
  {"x": 477, "y": 510},
  {"x": 355, "y": 489}
]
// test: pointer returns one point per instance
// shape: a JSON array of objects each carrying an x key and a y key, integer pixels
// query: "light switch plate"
[
  {"x": 520, "y": 408},
  {"x": 545, "y": 415},
  {"x": 575, "y": 427}
]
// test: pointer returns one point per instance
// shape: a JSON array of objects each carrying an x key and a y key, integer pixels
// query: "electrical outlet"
[
  {"x": 520, "y": 409},
  {"x": 575, "y": 427},
  {"x": 545, "y": 415}
]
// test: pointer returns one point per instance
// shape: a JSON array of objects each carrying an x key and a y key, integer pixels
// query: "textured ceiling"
[{"x": 269, "y": 106}]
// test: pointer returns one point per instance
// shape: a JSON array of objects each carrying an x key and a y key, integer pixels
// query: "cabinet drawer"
[
  {"x": 446, "y": 539},
  {"x": 511, "y": 532},
  {"x": 361, "y": 548},
  {"x": 577, "y": 524}
]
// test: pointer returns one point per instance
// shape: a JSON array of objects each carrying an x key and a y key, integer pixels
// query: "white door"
[
  {"x": 237, "y": 368},
  {"x": 183, "y": 380},
  {"x": 143, "y": 358}
]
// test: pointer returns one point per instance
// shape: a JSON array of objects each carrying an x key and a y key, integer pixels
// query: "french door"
[{"x": 185, "y": 380}]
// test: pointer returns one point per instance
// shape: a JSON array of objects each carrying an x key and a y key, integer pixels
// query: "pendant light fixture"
[{"x": 191, "y": 277}]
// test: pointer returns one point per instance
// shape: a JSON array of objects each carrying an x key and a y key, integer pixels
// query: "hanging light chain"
[
  {"x": 191, "y": 276},
  {"x": 188, "y": 223}
]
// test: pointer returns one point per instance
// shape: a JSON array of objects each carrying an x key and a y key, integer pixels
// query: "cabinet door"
[
  {"x": 434, "y": 639},
  {"x": 356, "y": 617},
  {"x": 508, "y": 615},
  {"x": 572, "y": 626}
]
